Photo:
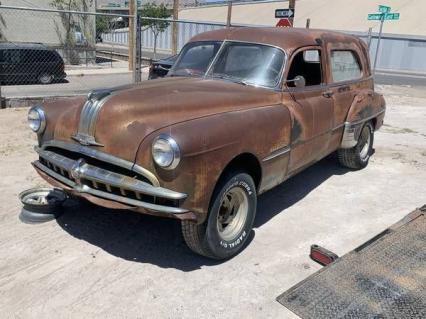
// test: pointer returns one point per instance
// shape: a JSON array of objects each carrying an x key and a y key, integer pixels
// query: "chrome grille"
[{"x": 87, "y": 178}]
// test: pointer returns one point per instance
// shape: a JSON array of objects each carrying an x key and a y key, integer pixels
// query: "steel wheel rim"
[
  {"x": 365, "y": 140},
  {"x": 232, "y": 214},
  {"x": 45, "y": 78},
  {"x": 42, "y": 197}
]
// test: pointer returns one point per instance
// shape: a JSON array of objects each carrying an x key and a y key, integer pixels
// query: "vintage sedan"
[{"x": 241, "y": 111}]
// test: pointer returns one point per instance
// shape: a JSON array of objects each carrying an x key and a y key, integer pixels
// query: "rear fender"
[{"x": 366, "y": 106}]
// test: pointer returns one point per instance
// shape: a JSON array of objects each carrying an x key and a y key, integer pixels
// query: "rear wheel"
[
  {"x": 229, "y": 222},
  {"x": 45, "y": 78},
  {"x": 358, "y": 156}
]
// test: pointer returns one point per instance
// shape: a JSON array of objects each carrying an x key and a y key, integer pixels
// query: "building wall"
[
  {"x": 44, "y": 27},
  {"x": 350, "y": 15}
]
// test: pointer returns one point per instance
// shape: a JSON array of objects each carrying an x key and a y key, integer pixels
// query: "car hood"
[{"x": 130, "y": 114}]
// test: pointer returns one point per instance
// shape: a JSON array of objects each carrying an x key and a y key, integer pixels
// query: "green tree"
[
  {"x": 151, "y": 10},
  {"x": 102, "y": 24}
]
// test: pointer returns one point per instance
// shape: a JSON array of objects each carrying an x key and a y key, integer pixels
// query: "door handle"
[{"x": 328, "y": 94}]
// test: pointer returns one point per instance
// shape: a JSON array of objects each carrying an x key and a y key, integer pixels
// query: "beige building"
[
  {"x": 45, "y": 27},
  {"x": 347, "y": 15}
]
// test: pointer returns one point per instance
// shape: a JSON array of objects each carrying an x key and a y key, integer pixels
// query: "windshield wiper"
[{"x": 229, "y": 78}]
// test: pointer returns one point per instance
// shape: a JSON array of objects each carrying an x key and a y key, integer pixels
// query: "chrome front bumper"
[{"x": 85, "y": 178}]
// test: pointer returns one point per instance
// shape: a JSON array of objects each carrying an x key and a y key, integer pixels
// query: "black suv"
[{"x": 29, "y": 63}]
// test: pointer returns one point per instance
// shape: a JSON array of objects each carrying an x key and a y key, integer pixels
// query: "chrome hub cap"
[
  {"x": 232, "y": 213},
  {"x": 45, "y": 78},
  {"x": 365, "y": 140},
  {"x": 42, "y": 197}
]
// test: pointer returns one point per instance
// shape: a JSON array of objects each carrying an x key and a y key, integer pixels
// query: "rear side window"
[
  {"x": 345, "y": 66},
  {"x": 12, "y": 56}
]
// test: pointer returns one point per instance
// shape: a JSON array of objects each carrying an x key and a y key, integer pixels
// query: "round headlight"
[
  {"x": 37, "y": 119},
  {"x": 165, "y": 152}
]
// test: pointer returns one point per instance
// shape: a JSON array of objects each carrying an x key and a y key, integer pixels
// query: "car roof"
[
  {"x": 289, "y": 39},
  {"x": 23, "y": 45}
]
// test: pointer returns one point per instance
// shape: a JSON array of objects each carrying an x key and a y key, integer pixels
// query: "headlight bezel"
[
  {"x": 174, "y": 147},
  {"x": 41, "y": 118}
]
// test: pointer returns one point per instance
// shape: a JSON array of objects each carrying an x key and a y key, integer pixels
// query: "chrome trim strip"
[
  {"x": 353, "y": 129},
  {"x": 81, "y": 170},
  {"x": 276, "y": 153},
  {"x": 89, "y": 115},
  {"x": 367, "y": 118},
  {"x": 337, "y": 127},
  {"x": 103, "y": 157},
  {"x": 121, "y": 199}
]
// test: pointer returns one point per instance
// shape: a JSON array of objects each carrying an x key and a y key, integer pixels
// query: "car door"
[
  {"x": 11, "y": 65},
  {"x": 312, "y": 109},
  {"x": 2, "y": 63},
  {"x": 344, "y": 81}
]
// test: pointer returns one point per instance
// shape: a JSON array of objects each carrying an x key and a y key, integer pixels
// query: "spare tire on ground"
[{"x": 41, "y": 204}]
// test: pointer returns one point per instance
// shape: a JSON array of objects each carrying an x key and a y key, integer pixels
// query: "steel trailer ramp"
[{"x": 383, "y": 278}]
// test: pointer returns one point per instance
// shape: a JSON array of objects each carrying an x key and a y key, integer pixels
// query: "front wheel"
[
  {"x": 358, "y": 156},
  {"x": 229, "y": 222}
]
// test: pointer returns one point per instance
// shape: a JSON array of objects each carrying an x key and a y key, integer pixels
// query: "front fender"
[{"x": 208, "y": 144}]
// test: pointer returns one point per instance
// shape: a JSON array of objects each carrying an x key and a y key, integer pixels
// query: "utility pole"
[
  {"x": 228, "y": 18},
  {"x": 175, "y": 26},
  {"x": 132, "y": 34},
  {"x": 292, "y": 6}
]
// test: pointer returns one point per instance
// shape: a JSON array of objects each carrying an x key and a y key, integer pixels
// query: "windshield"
[
  {"x": 195, "y": 58},
  {"x": 240, "y": 62}
]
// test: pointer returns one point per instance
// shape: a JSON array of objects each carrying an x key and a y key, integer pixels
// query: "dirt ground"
[{"x": 94, "y": 262}]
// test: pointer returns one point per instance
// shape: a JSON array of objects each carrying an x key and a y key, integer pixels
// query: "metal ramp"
[{"x": 383, "y": 278}]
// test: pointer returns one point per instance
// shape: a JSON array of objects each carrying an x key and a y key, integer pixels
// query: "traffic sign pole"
[
  {"x": 384, "y": 14},
  {"x": 378, "y": 42}
]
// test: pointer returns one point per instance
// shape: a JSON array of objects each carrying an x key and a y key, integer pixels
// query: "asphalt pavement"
[
  {"x": 400, "y": 79},
  {"x": 83, "y": 81}
]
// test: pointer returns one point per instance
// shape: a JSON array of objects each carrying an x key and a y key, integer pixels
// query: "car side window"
[
  {"x": 306, "y": 64},
  {"x": 344, "y": 65},
  {"x": 12, "y": 56}
]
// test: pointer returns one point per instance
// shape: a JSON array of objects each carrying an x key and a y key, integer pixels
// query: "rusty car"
[{"x": 241, "y": 110}]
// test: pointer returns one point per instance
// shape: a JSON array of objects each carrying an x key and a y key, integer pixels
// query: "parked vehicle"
[
  {"x": 240, "y": 112},
  {"x": 30, "y": 62},
  {"x": 160, "y": 68}
]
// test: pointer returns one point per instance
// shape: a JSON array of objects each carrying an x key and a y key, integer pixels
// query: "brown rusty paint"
[{"x": 215, "y": 121}]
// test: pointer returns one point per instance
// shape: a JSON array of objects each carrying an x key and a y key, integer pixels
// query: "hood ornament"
[{"x": 88, "y": 117}]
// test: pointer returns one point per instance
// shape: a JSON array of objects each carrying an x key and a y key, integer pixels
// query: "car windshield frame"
[
  {"x": 223, "y": 44},
  {"x": 193, "y": 44}
]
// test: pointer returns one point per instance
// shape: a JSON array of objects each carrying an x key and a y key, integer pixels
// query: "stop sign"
[{"x": 285, "y": 23}]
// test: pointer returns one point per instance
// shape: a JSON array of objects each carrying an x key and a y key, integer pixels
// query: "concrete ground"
[{"x": 99, "y": 263}]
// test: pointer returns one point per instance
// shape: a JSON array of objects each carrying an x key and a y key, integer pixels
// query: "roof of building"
[
  {"x": 288, "y": 39},
  {"x": 345, "y": 15}
]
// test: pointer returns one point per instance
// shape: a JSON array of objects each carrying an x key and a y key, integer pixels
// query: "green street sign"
[
  {"x": 375, "y": 16},
  {"x": 384, "y": 9},
  {"x": 391, "y": 16}
]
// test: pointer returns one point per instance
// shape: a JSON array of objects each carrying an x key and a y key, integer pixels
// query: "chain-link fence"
[{"x": 51, "y": 52}]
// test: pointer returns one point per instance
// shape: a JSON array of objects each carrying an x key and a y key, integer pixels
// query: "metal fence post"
[
  {"x": 229, "y": 14},
  {"x": 369, "y": 38},
  {"x": 308, "y": 23},
  {"x": 138, "y": 55}
]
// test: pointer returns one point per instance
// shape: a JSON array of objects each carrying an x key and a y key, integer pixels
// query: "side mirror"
[{"x": 299, "y": 81}]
